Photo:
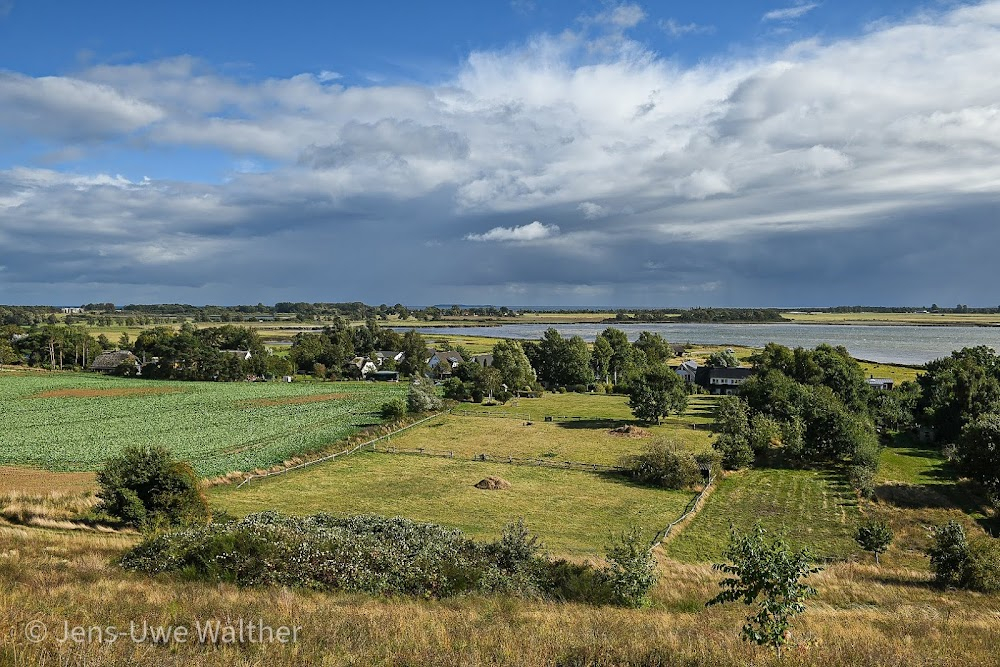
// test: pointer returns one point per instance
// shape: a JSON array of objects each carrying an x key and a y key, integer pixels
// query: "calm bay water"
[{"x": 889, "y": 344}]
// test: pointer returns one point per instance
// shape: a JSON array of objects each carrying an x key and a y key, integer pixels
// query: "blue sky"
[{"x": 526, "y": 152}]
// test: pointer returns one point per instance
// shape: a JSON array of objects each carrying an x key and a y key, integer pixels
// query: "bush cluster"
[
  {"x": 958, "y": 562},
  {"x": 664, "y": 464},
  {"x": 422, "y": 398},
  {"x": 382, "y": 556}
]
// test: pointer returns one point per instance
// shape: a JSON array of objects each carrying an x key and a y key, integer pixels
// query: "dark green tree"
[
  {"x": 874, "y": 536},
  {"x": 657, "y": 393}
]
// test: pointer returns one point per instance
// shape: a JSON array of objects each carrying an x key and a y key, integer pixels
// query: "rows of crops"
[{"x": 73, "y": 422}]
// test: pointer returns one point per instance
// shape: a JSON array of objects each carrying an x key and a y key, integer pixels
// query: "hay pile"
[
  {"x": 492, "y": 483},
  {"x": 630, "y": 431}
]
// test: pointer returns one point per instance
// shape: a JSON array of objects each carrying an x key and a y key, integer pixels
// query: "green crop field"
[
  {"x": 575, "y": 513},
  {"x": 73, "y": 422},
  {"x": 810, "y": 507}
]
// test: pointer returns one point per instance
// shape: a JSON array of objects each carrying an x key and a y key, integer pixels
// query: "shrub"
[
  {"x": 455, "y": 389},
  {"x": 631, "y": 570},
  {"x": 503, "y": 396},
  {"x": 319, "y": 371},
  {"x": 982, "y": 571},
  {"x": 874, "y": 536},
  {"x": 949, "y": 554},
  {"x": 145, "y": 487},
  {"x": 477, "y": 395},
  {"x": 580, "y": 388},
  {"x": 664, "y": 464},
  {"x": 422, "y": 398},
  {"x": 393, "y": 410},
  {"x": 862, "y": 478},
  {"x": 369, "y": 554},
  {"x": 561, "y": 390}
]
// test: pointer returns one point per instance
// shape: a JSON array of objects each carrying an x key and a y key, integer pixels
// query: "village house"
[
  {"x": 362, "y": 366},
  {"x": 383, "y": 356},
  {"x": 880, "y": 384},
  {"x": 109, "y": 362},
  {"x": 444, "y": 362},
  {"x": 242, "y": 355},
  {"x": 688, "y": 371},
  {"x": 726, "y": 381}
]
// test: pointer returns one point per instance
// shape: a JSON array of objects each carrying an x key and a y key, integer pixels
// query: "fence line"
[
  {"x": 345, "y": 452},
  {"x": 523, "y": 416},
  {"x": 509, "y": 460},
  {"x": 690, "y": 508}
]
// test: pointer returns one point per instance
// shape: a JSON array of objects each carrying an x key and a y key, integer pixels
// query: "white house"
[{"x": 688, "y": 370}]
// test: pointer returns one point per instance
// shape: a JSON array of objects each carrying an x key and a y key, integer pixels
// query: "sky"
[{"x": 721, "y": 153}]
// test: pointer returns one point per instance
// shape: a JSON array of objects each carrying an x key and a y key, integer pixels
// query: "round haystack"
[
  {"x": 630, "y": 431},
  {"x": 493, "y": 483}
]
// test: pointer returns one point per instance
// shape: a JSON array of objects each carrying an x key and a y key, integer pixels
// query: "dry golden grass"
[
  {"x": 864, "y": 616},
  {"x": 35, "y": 481}
]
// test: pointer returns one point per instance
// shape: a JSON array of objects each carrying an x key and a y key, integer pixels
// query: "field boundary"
[
  {"x": 346, "y": 452},
  {"x": 691, "y": 508},
  {"x": 507, "y": 460}
]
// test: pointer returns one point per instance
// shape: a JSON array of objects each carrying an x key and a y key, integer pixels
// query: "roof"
[
  {"x": 453, "y": 357},
  {"x": 689, "y": 365},
  {"x": 238, "y": 353},
  {"x": 486, "y": 359},
  {"x": 387, "y": 354},
  {"x": 879, "y": 380},
  {"x": 738, "y": 373},
  {"x": 108, "y": 361}
]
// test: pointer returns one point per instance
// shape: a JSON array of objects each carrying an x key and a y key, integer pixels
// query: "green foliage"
[
  {"x": 145, "y": 487},
  {"x": 732, "y": 423},
  {"x": 723, "y": 359},
  {"x": 664, "y": 464},
  {"x": 393, "y": 410},
  {"x": 657, "y": 393},
  {"x": 958, "y": 389},
  {"x": 631, "y": 570},
  {"x": 949, "y": 554},
  {"x": 512, "y": 363},
  {"x": 563, "y": 361},
  {"x": 654, "y": 346},
  {"x": 765, "y": 433},
  {"x": 414, "y": 349},
  {"x": 768, "y": 574},
  {"x": 422, "y": 397},
  {"x": 982, "y": 570},
  {"x": 368, "y": 554},
  {"x": 874, "y": 536},
  {"x": 979, "y": 453}
]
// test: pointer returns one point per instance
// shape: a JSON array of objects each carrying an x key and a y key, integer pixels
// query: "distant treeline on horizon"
[{"x": 100, "y": 313}]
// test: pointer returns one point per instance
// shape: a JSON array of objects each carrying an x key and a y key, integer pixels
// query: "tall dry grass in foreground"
[{"x": 863, "y": 616}]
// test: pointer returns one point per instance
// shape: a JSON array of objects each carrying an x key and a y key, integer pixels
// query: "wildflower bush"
[{"x": 369, "y": 554}]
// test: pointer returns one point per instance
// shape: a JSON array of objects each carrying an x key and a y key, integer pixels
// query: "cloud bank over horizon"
[{"x": 576, "y": 167}]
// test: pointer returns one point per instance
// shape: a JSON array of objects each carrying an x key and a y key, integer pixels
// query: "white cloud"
[
  {"x": 534, "y": 231},
  {"x": 790, "y": 13},
  {"x": 327, "y": 75},
  {"x": 592, "y": 211},
  {"x": 676, "y": 29}
]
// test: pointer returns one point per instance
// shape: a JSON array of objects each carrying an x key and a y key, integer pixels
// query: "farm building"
[
  {"x": 725, "y": 381},
  {"x": 362, "y": 366},
  {"x": 881, "y": 384},
  {"x": 688, "y": 371},
  {"x": 384, "y": 376},
  {"x": 107, "y": 362}
]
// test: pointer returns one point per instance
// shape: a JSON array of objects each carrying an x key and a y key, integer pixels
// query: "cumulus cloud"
[
  {"x": 646, "y": 168},
  {"x": 534, "y": 231}
]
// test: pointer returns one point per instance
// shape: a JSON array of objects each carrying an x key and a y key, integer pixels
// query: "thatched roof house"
[{"x": 109, "y": 361}]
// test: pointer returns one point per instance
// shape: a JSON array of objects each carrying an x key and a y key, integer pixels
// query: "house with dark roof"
[
  {"x": 725, "y": 381},
  {"x": 108, "y": 362},
  {"x": 444, "y": 362},
  {"x": 484, "y": 360},
  {"x": 362, "y": 366}
]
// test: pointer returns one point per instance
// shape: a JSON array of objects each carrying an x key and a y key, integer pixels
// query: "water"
[{"x": 901, "y": 344}]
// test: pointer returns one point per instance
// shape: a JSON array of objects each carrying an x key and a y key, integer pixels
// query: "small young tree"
[
  {"x": 732, "y": 423},
  {"x": 767, "y": 574},
  {"x": 874, "y": 536},
  {"x": 144, "y": 487},
  {"x": 631, "y": 569}
]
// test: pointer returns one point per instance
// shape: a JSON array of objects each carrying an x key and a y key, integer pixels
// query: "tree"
[
  {"x": 732, "y": 423},
  {"x": 562, "y": 361},
  {"x": 958, "y": 389},
  {"x": 393, "y": 410},
  {"x": 414, "y": 349},
  {"x": 654, "y": 346},
  {"x": 489, "y": 381},
  {"x": 622, "y": 364},
  {"x": 657, "y": 393},
  {"x": 600, "y": 358},
  {"x": 979, "y": 453},
  {"x": 422, "y": 398},
  {"x": 515, "y": 369},
  {"x": 664, "y": 464},
  {"x": 144, "y": 487},
  {"x": 723, "y": 359},
  {"x": 770, "y": 575},
  {"x": 874, "y": 536}
]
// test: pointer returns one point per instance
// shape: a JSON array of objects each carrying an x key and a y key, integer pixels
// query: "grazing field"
[
  {"x": 73, "y": 422},
  {"x": 575, "y": 513},
  {"x": 812, "y": 508}
]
